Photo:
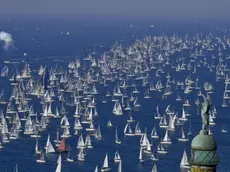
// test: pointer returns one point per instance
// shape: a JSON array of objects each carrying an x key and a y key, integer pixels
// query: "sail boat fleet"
[{"x": 120, "y": 81}]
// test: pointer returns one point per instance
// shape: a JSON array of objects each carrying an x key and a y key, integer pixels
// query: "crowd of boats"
[{"x": 126, "y": 76}]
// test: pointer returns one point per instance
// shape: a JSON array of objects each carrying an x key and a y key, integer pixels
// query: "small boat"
[
  {"x": 41, "y": 158},
  {"x": 63, "y": 147},
  {"x": 117, "y": 140},
  {"x": 130, "y": 119},
  {"x": 117, "y": 157},
  {"x": 154, "y": 133},
  {"x": 4, "y": 71},
  {"x": 68, "y": 159},
  {"x": 137, "y": 130},
  {"x": 190, "y": 129},
  {"x": 223, "y": 130},
  {"x": 36, "y": 147},
  {"x": 182, "y": 138},
  {"x": 128, "y": 130},
  {"x": 183, "y": 116},
  {"x": 158, "y": 115},
  {"x": 166, "y": 139},
  {"x": 154, "y": 169},
  {"x": 178, "y": 97},
  {"x": 117, "y": 109},
  {"x": 105, "y": 166},
  {"x": 81, "y": 156},
  {"x": 184, "y": 161},
  {"x": 161, "y": 149},
  {"x": 109, "y": 123},
  {"x": 57, "y": 141},
  {"x": 209, "y": 132},
  {"x": 224, "y": 104}
]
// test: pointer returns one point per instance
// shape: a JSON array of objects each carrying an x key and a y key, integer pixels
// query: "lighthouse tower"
[
  {"x": 203, "y": 153},
  {"x": 203, "y": 147}
]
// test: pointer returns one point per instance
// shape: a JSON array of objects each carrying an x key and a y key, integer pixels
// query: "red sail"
[{"x": 62, "y": 147}]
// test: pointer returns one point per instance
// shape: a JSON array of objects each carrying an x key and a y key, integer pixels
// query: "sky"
[{"x": 196, "y": 9}]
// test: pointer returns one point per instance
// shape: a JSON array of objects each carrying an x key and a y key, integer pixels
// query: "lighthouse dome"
[{"x": 204, "y": 141}]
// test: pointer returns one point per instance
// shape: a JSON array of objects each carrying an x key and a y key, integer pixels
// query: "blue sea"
[{"x": 46, "y": 42}]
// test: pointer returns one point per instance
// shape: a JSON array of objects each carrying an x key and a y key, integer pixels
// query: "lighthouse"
[{"x": 203, "y": 147}]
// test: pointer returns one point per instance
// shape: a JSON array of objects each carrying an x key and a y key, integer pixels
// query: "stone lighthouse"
[{"x": 203, "y": 148}]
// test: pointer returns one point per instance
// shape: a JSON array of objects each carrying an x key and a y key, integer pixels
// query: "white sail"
[
  {"x": 59, "y": 159},
  {"x": 154, "y": 169},
  {"x": 120, "y": 167},
  {"x": 106, "y": 162},
  {"x": 96, "y": 169},
  {"x": 50, "y": 148},
  {"x": 48, "y": 141},
  {"x": 184, "y": 161},
  {"x": 58, "y": 169}
]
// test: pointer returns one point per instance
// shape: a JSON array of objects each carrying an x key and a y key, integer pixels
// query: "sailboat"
[
  {"x": 166, "y": 139},
  {"x": 183, "y": 116},
  {"x": 116, "y": 137},
  {"x": 128, "y": 130},
  {"x": 184, "y": 161},
  {"x": 36, "y": 147},
  {"x": 117, "y": 109},
  {"x": 2, "y": 99},
  {"x": 163, "y": 122},
  {"x": 158, "y": 115},
  {"x": 88, "y": 143},
  {"x": 41, "y": 158},
  {"x": 69, "y": 157},
  {"x": 138, "y": 130},
  {"x": 57, "y": 141},
  {"x": 109, "y": 123},
  {"x": 190, "y": 129},
  {"x": 224, "y": 104},
  {"x": 161, "y": 149},
  {"x": 105, "y": 166},
  {"x": 98, "y": 133},
  {"x": 4, "y": 71},
  {"x": 81, "y": 156},
  {"x": 117, "y": 157},
  {"x": 223, "y": 130},
  {"x": 209, "y": 131},
  {"x": 63, "y": 147},
  {"x": 178, "y": 97},
  {"x": 154, "y": 169},
  {"x": 130, "y": 119},
  {"x": 154, "y": 133},
  {"x": 50, "y": 148},
  {"x": 211, "y": 121},
  {"x": 182, "y": 138}
]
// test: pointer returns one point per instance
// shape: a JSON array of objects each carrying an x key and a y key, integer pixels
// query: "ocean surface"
[{"x": 46, "y": 42}]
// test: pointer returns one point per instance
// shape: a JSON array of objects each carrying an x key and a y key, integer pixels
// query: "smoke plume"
[{"x": 7, "y": 38}]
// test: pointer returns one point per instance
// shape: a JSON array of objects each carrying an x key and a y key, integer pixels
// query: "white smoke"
[{"x": 7, "y": 38}]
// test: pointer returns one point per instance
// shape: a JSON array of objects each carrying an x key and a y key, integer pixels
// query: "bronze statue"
[{"x": 205, "y": 107}]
